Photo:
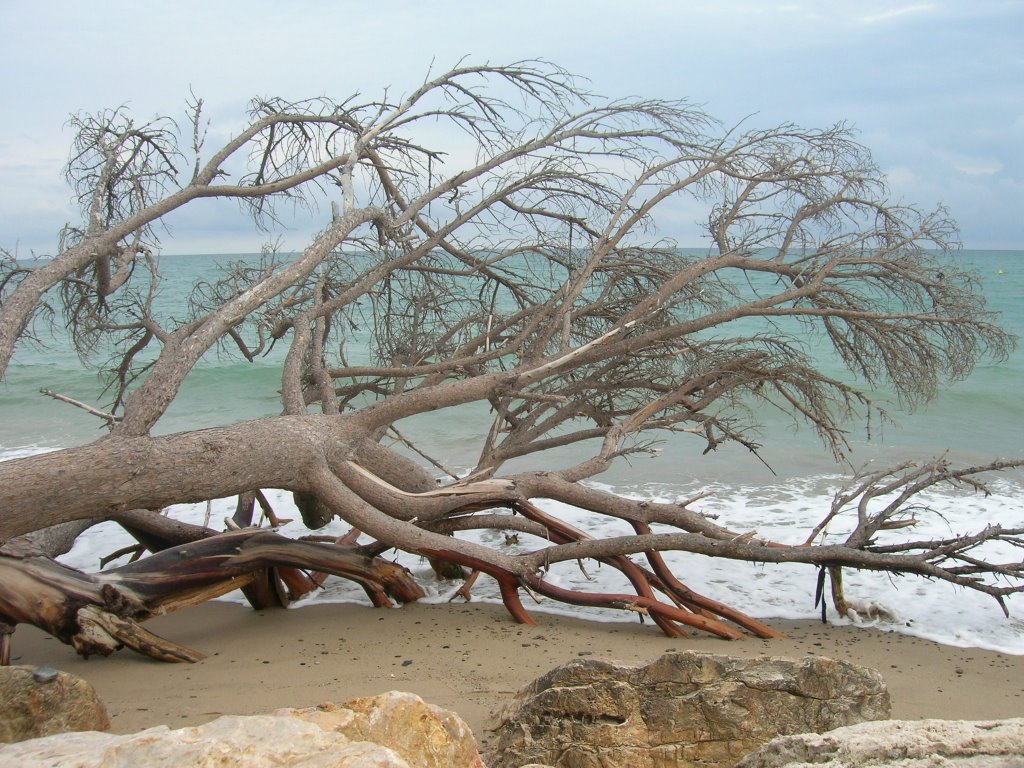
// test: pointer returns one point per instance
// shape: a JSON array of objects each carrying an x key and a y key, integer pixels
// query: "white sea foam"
[
  {"x": 928, "y": 609},
  {"x": 976, "y": 418}
]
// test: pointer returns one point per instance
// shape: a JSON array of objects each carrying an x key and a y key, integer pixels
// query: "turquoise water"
[{"x": 975, "y": 420}]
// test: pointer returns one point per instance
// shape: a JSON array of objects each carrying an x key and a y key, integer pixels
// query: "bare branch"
[{"x": 492, "y": 246}]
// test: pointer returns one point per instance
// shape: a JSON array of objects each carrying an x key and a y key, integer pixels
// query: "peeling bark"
[{"x": 98, "y": 613}]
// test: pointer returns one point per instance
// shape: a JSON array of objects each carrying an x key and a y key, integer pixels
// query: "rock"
[
  {"x": 38, "y": 701},
  {"x": 684, "y": 709},
  {"x": 411, "y": 733},
  {"x": 425, "y": 735},
  {"x": 261, "y": 740},
  {"x": 902, "y": 743}
]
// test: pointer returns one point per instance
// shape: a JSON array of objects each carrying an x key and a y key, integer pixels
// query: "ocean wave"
[{"x": 784, "y": 512}]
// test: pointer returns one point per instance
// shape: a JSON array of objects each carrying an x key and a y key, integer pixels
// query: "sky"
[{"x": 935, "y": 89}]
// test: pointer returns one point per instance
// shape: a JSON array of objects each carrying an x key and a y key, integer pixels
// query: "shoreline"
[{"x": 471, "y": 658}]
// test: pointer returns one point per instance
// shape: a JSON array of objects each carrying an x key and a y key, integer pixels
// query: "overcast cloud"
[{"x": 936, "y": 89}]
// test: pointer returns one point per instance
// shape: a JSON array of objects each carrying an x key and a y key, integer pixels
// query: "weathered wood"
[
  {"x": 100, "y": 629},
  {"x": 97, "y": 613},
  {"x": 600, "y": 341},
  {"x": 114, "y": 475},
  {"x": 6, "y": 630}
]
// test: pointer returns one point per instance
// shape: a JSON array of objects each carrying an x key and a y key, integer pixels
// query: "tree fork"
[
  {"x": 508, "y": 583},
  {"x": 563, "y": 533},
  {"x": 698, "y": 602}
]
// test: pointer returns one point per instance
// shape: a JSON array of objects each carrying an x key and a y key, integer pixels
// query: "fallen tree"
[{"x": 517, "y": 278}]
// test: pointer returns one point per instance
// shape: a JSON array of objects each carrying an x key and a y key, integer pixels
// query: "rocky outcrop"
[
  {"x": 684, "y": 709},
  {"x": 394, "y": 730},
  {"x": 425, "y": 735},
  {"x": 900, "y": 744},
  {"x": 38, "y": 701}
]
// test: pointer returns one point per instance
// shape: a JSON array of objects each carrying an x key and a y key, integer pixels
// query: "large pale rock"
[
  {"x": 35, "y": 701},
  {"x": 247, "y": 742},
  {"x": 425, "y": 735},
  {"x": 900, "y": 744},
  {"x": 684, "y": 709},
  {"x": 412, "y": 735}
]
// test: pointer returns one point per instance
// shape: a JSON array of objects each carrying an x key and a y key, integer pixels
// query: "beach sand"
[{"x": 471, "y": 658}]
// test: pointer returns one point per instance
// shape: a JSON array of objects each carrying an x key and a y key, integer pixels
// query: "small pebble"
[{"x": 45, "y": 674}]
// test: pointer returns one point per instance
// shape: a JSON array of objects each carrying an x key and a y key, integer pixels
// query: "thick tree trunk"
[
  {"x": 330, "y": 461},
  {"x": 106, "y": 477},
  {"x": 115, "y": 474}
]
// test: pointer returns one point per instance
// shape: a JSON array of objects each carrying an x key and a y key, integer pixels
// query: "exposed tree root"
[
  {"x": 98, "y": 613},
  {"x": 192, "y": 563},
  {"x": 569, "y": 327}
]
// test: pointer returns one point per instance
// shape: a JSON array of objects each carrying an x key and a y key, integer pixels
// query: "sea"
[{"x": 781, "y": 494}]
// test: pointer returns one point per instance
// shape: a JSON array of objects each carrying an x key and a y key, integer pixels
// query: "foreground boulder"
[
  {"x": 425, "y": 735},
  {"x": 684, "y": 709},
  {"x": 902, "y": 743},
  {"x": 393, "y": 730},
  {"x": 37, "y": 701}
]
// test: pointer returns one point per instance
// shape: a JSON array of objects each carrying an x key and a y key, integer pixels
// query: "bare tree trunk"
[
  {"x": 91, "y": 481},
  {"x": 572, "y": 332}
]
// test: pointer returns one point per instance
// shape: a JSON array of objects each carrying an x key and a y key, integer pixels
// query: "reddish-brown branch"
[
  {"x": 643, "y": 605},
  {"x": 562, "y": 533},
  {"x": 508, "y": 584},
  {"x": 264, "y": 591},
  {"x": 697, "y": 602},
  {"x": 96, "y": 613},
  {"x": 687, "y": 600},
  {"x": 465, "y": 591}
]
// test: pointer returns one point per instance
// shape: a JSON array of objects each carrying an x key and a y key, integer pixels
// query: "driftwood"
[
  {"x": 521, "y": 282},
  {"x": 99, "y": 613}
]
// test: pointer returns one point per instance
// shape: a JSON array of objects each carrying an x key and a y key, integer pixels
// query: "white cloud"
[
  {"x": 896, "y": 13},
  {"x": 918, "y": 77},
  {"x": 901, "y": 176},
  {"x": 980, "y": 168}
]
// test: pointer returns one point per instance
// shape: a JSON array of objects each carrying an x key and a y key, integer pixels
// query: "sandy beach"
[{"x": 471, "y": 658}]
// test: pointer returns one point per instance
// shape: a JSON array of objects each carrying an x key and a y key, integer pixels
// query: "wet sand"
[{"x": 471, "y": 658}]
